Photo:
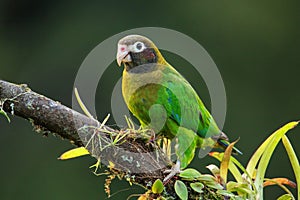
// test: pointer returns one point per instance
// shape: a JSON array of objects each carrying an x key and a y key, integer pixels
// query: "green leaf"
[
  {"x": 294, "y": 160},
  {"x": 181, "y": 190},
  {"x": 2, "y": 112},
  {"x": 225, "y": 193},
  {"x": 237, "y": 163},
  {"x": 231, "y": 185},
  {"x": 214, "y": 185},
  {"x": 257, "y": 155},
  {"x": 197, "y": 187},
  {"x": 266, "y": 155},
  {"x": 285, "y": 197},
  {"x": 190, "y": 174},
  {"x": 241, "y": 188},
  {"x": 157, "y": 187},
  {"x": 237, "y": 198},
  {"x": 207, "y": 178},
  {"x": 244, "y": 189}
]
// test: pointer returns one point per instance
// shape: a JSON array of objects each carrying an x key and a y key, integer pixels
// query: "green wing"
[
  {"x": 181, "y": 103},
  {"x": 185, "y": 107}
]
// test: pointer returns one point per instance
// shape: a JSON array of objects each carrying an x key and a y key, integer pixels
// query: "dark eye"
[{"x": 138, "y": 47}]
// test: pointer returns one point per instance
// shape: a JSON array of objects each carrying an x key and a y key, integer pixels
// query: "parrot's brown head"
[{"x": 136, "y": 50}]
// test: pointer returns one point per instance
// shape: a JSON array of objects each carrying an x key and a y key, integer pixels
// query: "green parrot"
[{"x": 162, "y": 99}]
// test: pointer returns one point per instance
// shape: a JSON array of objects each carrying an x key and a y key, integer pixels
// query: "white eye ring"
[{"x": 138, "y": 47}]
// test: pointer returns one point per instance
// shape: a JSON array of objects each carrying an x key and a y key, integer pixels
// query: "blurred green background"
[{"x": 255, "y": 44}]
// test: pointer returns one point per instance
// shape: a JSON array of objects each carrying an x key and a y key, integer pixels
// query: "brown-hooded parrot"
[{"x": 162, "y": 99}]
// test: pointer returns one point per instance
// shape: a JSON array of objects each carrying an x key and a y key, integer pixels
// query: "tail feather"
[{"x": 224, "y": 144}]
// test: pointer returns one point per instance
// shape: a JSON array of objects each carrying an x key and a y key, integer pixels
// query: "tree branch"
[
  {"x": 49, "y": 115},
  {"x": 125, "y": 152}
]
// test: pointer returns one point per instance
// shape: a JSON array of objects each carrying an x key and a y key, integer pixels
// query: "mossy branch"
[{"x": 127, "y": 156}]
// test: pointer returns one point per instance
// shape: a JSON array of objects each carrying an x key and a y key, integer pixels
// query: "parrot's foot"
[{"x": 172, "y": 172}]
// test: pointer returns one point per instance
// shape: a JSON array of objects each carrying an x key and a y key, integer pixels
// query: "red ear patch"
[
  {"x": 149, "y": 54},
  {"x": 122, "y": 48}
]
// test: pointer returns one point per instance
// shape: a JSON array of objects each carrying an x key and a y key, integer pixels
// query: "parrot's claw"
[{"x": 172, "y": 172}]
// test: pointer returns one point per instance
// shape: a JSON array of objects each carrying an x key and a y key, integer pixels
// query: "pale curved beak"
[{"x": 123, "y": 54}]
